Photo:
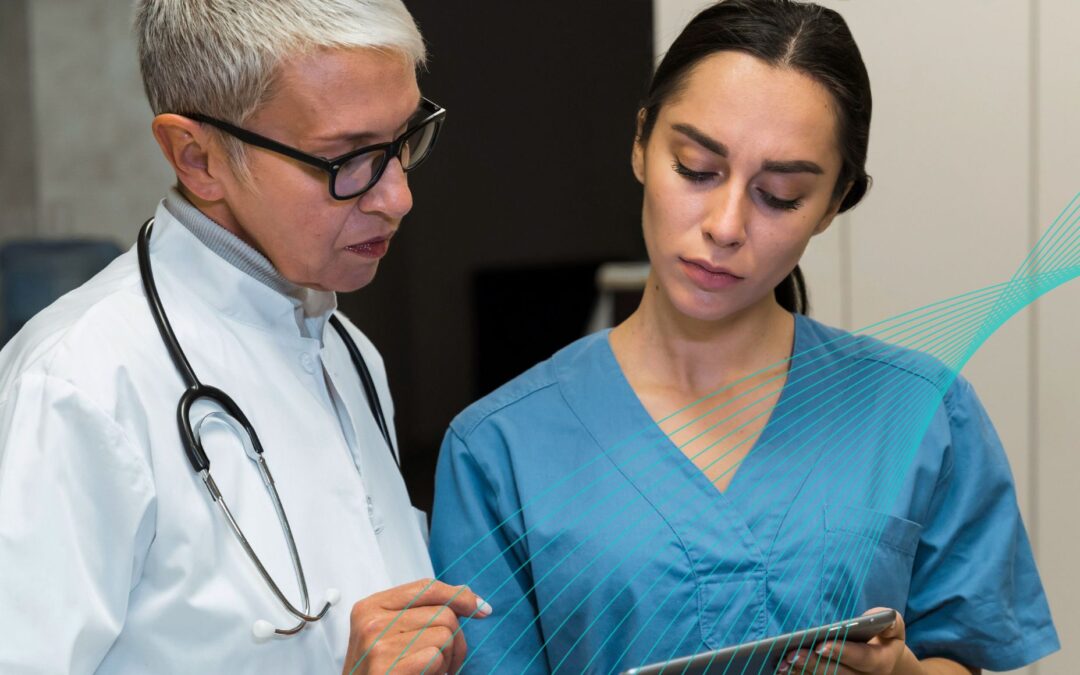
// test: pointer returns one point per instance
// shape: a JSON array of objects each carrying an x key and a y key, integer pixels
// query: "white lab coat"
[{"x": 113, "y": 558}]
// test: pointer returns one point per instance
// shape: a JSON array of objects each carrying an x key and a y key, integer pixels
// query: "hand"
[
  {"x": 879, "y": 656},
  {"x": 425, "y": 638}
]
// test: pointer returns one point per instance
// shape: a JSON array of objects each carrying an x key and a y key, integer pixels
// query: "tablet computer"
[{"x": 763, "y": 657}]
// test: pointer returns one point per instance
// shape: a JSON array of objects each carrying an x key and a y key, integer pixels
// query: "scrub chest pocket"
[{"x": 867, "y": 560}]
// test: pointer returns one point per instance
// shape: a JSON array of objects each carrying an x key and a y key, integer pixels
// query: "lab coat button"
[{"x": 307, "y": 362}]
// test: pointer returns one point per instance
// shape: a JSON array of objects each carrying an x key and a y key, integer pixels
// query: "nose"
[
  {"x": 391, "y": 195},
  {"x": 725, "y": 220}
]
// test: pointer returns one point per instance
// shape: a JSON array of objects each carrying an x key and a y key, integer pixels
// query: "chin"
[
  {"x": 351, "y": 283},
  {"x": 699, "y": 305},
  {"x": 691, "y": 305}
]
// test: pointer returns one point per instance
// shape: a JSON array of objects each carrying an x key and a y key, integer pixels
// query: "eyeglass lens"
[{"x": 360, "y": 172}]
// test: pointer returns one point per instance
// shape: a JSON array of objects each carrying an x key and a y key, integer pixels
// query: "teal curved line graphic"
[{"x": 946, "y": 333}]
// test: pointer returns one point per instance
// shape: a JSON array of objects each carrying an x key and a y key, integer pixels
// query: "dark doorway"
[{"x": 532, "y": 173}]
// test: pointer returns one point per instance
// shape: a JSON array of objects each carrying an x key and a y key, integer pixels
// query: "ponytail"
[{"x": 791, "y": 293}]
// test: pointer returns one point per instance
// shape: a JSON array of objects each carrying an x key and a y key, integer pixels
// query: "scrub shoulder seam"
[{"x": 512, "y": 393}]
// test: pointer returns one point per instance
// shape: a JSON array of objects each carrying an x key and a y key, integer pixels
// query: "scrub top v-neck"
[{"x": 877, "y": 480}]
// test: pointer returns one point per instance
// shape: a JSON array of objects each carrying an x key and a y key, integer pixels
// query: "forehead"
[
  {"x": 753, "y": 107},
  {"x": 351, "y": 90}
]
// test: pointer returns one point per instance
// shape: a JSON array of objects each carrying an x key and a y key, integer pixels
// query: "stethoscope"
[{"x": 235, "y": 418}]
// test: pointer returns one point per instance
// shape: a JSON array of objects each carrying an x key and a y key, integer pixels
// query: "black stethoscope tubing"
[{"x": 196, "y": 390}]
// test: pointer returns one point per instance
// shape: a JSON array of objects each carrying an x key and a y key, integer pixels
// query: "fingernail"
[
  {"x": 823, "y": 649},
  {"x": 793, "y": 657},
  {"x": 482, "y": 608}
]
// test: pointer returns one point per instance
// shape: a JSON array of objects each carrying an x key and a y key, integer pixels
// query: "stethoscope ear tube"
[
  {"x": 370, "y": 391},
  {"x": 158, "y": 312},
  {"x": 194, "y": 391},
  {"x": 192, "y": 442}
]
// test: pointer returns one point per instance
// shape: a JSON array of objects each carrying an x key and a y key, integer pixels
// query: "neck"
[
  {"x": 667, "y": 349},
  {"x": 220, "y": 213}
]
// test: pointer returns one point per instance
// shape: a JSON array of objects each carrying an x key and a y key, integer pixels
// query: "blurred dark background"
[{"x": 529, "y": 190}]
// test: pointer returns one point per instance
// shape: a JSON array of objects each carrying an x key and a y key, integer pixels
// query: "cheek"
[
  {"x": 778, "y": 248},
  {"x": 670, "y": 211},
  {"x": 304, "y": 230}
]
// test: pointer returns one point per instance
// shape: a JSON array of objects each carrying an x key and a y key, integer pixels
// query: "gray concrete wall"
[
  {"x": 99, "y": 171},
  {"x": 18, "y": 167}
]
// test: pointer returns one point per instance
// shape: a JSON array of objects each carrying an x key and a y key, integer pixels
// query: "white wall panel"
[
  {"x": 1057, "y": 466},
  {"x": 949, "y": 154}
]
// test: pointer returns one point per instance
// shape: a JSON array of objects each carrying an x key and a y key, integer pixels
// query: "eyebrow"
[
  {"x": 711, "y": 144},
  {"x": 771, "y": 166},
  {"x": 794, "y": 166}
]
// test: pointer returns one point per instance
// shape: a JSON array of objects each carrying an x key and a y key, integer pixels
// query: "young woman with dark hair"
[{"x": 720, "y": 467}]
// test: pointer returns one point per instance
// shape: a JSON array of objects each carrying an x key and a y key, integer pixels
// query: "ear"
[
  {"x": 637, "y": 154},
  {"x": 199, "y": 161},
  {"x": 834, "y": 208}
]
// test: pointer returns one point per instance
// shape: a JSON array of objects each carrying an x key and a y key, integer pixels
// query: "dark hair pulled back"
[{"x": 802, "y": 36}]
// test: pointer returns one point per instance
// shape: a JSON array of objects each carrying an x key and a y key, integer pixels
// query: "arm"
[
  {"x": 76, "y": 519},
  {"x": 476, "y": 540},
  {"x": 975, "y": 593}
]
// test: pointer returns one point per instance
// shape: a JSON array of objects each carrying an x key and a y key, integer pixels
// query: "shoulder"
[
  {"x": 99, "y": 324},
  {"x": 907, "y": 381},
  {"x": 528, "y": 396},
  {"x": 874, "y": 353}
]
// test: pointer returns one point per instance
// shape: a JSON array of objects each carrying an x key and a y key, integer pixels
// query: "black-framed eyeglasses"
[{"x": 357, "y": 171}]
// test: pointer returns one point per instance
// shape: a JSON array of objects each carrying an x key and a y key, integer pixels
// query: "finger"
[
  {"x": 440, "y": 638},
  {"x": 460, "y": 650},
  {"x": 418, "y": 618},
  {"x": 378, "y": 656},
  {"x": 450, "y": 639},
  {"x": 461, "y": 599},
  {"x": 807, "y": 663},
  {"x": 895, "y": 630},
  {"x": 429, "y": 660},
  {"x": 863, "y": 658},
  {"x": 453, "y": 645},
  {"x": 389, "y": 653}
]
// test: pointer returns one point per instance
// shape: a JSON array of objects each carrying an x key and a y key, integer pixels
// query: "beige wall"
[{"x": 974, "y": 150}]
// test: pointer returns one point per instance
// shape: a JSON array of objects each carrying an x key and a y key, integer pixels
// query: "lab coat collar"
[{"x": 288, "y": 310}]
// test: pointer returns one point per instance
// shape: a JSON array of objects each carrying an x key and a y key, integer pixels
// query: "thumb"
[
  {"x": 466, "y": 603},
  {"x": 895, "y": 630}
]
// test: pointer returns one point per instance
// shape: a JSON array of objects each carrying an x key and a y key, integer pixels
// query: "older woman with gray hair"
[{"x": 120, "y": 550}]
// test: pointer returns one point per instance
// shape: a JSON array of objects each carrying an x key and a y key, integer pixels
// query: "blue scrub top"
[{"x": 877, "y": 481}]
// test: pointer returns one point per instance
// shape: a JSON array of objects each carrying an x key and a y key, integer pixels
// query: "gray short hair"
[{"x": 220, "y": 57}]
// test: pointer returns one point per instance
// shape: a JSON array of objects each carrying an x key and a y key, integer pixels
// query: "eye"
[
  {"x": 690, "y": 174},
  {"x": 774, "y": 202}
]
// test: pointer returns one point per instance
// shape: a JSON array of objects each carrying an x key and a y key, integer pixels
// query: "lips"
[
  {"x": 372, "y": 248},
  {"x": 707, "y": 276},
  {"x": 708, "y": 267}
]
